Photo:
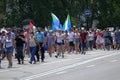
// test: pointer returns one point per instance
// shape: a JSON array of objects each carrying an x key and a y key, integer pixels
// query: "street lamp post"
[
  {"x": 79, "y": 20},
  {"x": 87, "y": 21},
  {"x": 87, "y": 14}
]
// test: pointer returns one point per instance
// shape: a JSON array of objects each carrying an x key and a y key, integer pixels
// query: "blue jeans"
[
  {"x": 32, "y": 50},
  {"x": 91, "y": 43},
  {"x": 83, "y": 44}
]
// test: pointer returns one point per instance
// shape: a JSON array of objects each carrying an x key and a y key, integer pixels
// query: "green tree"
[{"x": 13, "y": 12}]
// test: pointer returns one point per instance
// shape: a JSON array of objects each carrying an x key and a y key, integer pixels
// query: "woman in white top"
[
  {"x": 32, "y": 46},
  {"x": 59, "y": 40},
  {"x": 77, "y": 41},
  {"x": 66, "y": 42},
  {"x": 9, "y": 46},
  {"x": 100, "y": 42},
  {"x": 91, "y": 40}
]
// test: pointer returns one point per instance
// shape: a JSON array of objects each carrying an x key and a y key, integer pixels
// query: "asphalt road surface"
[{"x": 95, "y": 65}]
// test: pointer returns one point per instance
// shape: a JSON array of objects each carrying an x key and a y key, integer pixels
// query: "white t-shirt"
[
  {"x": 3, "y": 39},
  {"x": 59, "y": 38},
  {"x": 9, "y": 42},
  {"x": 112, "y": 34},
  {"x": 54, "y": 33},
  {"x": 71, "y": 36},
  {"x": 91, "y": 36}
]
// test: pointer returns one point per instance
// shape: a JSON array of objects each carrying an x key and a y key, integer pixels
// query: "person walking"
[
  {"x": 76, "y": 41},
  {"x": 50, "y": 43},
  {"x": 108, "y": 39},
  {"x": 20, "y": 40},
  {"x": 117, "y": 38},
  {"x": 32, "y": 47},
  {"x": 41, "y": 40},
  {"x": 83, "y": 40},
  {"x": 91, "y": 40},
  {"x": 27, "y": 37},
  {"x": 66, "y": 42},
  {"x": 9, "y": 45}
]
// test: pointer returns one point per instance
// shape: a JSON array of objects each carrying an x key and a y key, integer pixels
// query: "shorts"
[
  {"x": 50, "y": 44},
  {"x": 9, "y": 50},
  {"x": 71, "y": 43},
  {"x": 77, "y": 41},
  {"x": 59, "y": 44},
  {"x": 63, "y": 42},
  {"x": 66, "y": 41},
  {"x": 1, "y": 48},
  {"x": 83, "y": 44},
  {"x": 117, "y": 41},
  {"x": 108, "y": 42}
]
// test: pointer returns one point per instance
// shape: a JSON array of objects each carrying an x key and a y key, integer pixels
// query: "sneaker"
[
  {"x": 38, "y": 60},
  {"x": 84, "y": 53},
  {"x": 50, "y": 54},
  {"x": 22, "y": 62},
  {"x": 42, "y": 60},
  {"x": 34, "y": 62},
  {"x": 56, "y": 56},
  {"x": 30, "y": 62},
  {"x": 18, "y": 63},
  {"x": 10, "y": 66}
]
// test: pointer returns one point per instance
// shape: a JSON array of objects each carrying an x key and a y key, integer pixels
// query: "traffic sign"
[{"x": 87, "y": 12}]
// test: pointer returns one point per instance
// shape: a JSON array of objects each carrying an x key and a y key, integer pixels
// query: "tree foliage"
[{"x": 13, "y": 12}]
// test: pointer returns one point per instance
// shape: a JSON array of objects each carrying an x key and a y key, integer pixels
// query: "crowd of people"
[{"x": 35, "y": 43}]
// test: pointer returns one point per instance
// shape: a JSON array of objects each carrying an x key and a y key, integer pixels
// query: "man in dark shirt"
[
  {"x": 20, "y": 40},
  {"x": 83, "y": 39}
]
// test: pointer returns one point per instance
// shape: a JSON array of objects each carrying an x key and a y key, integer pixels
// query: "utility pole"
[
  {"x": 87, "y": 14},
  {"x": 92, "y": 12}
]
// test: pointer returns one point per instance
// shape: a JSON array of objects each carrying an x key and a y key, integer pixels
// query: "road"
[{"x": 95, "y": 65}]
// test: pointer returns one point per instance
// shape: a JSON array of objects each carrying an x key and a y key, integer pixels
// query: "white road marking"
[
  {"x": 56, "y": 62},
  {"x": 27, "y": 66},
  {"x": 64, "y": 68},
  {"x": 11, "y": 69},
  {"x": 114, "y": 61},
  {"x": 90, "y": 66},
  {"x": 40, "y": 64},
  {"x": 61, "y": 72}
]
